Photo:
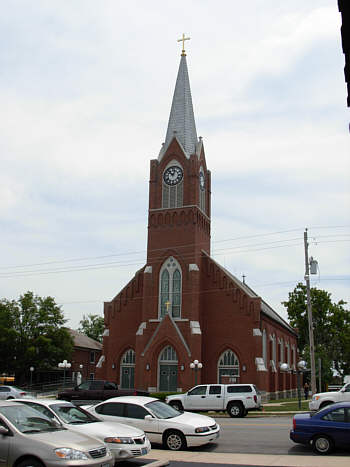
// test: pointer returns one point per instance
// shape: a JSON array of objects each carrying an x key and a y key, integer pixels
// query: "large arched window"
[
  {"x": 172, "y": 187},
  {"x": 170, "y": 285},
  {"x": 228, "y": 365},
  {"x": 127, "y": 369}
]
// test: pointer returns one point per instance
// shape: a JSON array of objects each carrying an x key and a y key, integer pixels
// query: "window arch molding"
[
  {"x": 172, "y": 196},
  {"x": 170, "y": 288}
]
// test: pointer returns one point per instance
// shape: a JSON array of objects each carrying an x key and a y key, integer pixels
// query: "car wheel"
[
  {"x": 174, "y": 440},
  {"x": 30, "y": 462},
  {"x": 235, "y": 410},
  {"x": 9, "y": 398},
  {"x": 322, "y": 444},
  {"x": 177, "y": 405}
]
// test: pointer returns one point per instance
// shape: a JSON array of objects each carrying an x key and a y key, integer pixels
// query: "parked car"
[
  {"x": 322, "y": 399},
  {"x": 236, "y": 399},
  {"x": 161, "y": 422},
  {"x": 123, "y": 441},
  {"x": 11, "y": 392},
  {"x": 324, "y": 430},
  {"x": 97, "y": 390},
  {"x": 30, "y": 439}
]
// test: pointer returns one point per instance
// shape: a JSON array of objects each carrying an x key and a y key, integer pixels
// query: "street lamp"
[
  {"x": 31, "y": 369},
  {"x": 65, "y": 365},
  {"x": 301, "y": 368},
  {"x": 196, "y": 365}
]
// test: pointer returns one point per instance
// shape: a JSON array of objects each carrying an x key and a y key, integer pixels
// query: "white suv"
[{"x": 236, "y": 399}]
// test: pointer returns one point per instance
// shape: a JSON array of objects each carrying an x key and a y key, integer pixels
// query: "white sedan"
[
  {"x": 123, "y": 441},
  {"x": 161, "y": 422}
]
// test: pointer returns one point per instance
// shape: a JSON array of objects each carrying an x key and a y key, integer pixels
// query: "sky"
[{"x": 85, "y": 92}]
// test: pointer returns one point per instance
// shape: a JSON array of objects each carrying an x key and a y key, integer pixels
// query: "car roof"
[
  {"x": 142, "y": 400},
  {"x": 46, "y": 402},
  {"x": 7, "y": 403}
]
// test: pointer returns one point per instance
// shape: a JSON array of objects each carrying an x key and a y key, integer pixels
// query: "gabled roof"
[
  {"x": 83, "y": 341},
  {"x": 265, "y": 308},
  {"x": 181, "y": 121}
]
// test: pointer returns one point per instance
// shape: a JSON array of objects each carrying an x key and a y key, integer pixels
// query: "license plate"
[{"x": 143, "y": 451}]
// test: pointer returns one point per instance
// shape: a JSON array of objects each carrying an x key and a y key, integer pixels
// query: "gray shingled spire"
[{"x": 181, "y": 121}]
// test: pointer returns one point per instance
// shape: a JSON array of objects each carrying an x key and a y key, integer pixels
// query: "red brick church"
[{"x": 183, "y": 306}]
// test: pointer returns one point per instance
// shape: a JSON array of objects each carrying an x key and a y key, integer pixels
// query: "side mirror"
[{"x": 148, "y": 417}]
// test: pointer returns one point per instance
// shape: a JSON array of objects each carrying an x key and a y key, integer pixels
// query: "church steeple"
[{"x": 181, "y": 121}]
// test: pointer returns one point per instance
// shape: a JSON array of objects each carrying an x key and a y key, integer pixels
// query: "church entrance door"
[
  {"x": 128, "y": 377},
  {"x": 168, "y": 378},
  {"x": 168, "y": 370}
]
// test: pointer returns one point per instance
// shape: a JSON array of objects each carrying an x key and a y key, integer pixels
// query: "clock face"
[
  {"x": 173, "y": 175},
  {"x": 201, "y": 180}
]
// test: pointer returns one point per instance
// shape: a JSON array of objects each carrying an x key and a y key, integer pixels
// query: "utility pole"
[{"x": 309, "y": 315}]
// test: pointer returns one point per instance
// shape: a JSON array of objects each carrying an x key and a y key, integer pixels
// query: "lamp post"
[
  {"x": 196, "y": 365},
  {"x": 301, "y": 368},
  {"x": 65, "y": 365},
  {"x": 31, "y": 369}
]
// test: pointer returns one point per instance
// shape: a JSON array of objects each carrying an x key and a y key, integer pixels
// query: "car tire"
[
  {"x": 177, "y": 405},
  {"x": 235, "y": 410},
  {"x": 9, "y": 398},
  {"x": 322, "y": 444},
  {"x": 174, "y": 440},
  {"x": 30, "y": 462}
]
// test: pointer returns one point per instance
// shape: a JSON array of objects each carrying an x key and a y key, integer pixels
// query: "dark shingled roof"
[{"x": 83, "y": 341}]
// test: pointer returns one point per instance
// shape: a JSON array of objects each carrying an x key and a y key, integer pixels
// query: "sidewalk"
[{"x": 284, "y": 460}]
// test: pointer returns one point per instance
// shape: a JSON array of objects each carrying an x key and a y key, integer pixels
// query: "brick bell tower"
[{"x": 178, "y": 232}]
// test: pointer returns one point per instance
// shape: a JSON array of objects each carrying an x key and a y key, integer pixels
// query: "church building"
[{"x": 184, "y": 319}]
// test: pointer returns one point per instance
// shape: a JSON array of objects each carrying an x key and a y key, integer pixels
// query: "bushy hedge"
[{"x": 162, "y": 395}]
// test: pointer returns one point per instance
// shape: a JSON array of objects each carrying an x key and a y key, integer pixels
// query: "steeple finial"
[{"x": 183, "y": 44}]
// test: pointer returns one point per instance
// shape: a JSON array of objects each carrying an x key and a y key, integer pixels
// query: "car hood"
[
  {"x": 66, "y": 438},
  {"x": 101, "y": 430},
  {"x": 322, "y": 395},
  {"x": 194, "y": 419}
]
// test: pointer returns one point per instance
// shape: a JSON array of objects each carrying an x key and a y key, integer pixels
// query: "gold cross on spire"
[{"x": 183, "y": 43}]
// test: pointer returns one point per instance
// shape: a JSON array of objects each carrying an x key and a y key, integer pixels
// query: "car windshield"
[
  {"x": 162, "y": 410},
  {"x": 28, "y": 420},
  {"x": 71, "y": 414}
]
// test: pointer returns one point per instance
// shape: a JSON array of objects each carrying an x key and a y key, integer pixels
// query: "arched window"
[
  {"x": 228, "y": 365},
  {"x": 273, "y": 352},
  {"x": 281, "y": 351},
  {"x": 264, "y": 347},
  {"x": 172, "y": 188},
  {"x": 202, "y": 189},
  {"x": 170, "y": 286},
  {"x": 288, "y": 354},
  {"x": 127, "y": 369}
]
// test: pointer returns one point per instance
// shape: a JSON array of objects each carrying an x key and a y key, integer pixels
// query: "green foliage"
[
  {"x": 331, "y": 324},
  {"x": 163, "y": 395},
  {"x": 92, "y": 326},
  {"x": 32, "y": 334}
]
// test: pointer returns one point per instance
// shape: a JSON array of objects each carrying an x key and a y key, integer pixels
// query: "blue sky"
[{"x": 86, "y": 90}]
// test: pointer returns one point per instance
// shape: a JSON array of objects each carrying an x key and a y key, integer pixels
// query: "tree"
[
  {"x": 93, "y": 326},
  {"x": 32, "y": 334},
  {"x": 331, "y": 324}
]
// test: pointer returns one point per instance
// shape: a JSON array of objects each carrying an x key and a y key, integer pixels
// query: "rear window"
[
  {"x": 111, "y": 408},
  {"x": 240, "y": 388}
]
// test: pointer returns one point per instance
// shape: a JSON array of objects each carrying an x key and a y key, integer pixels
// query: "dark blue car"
[{"x": 324, "y": 430}]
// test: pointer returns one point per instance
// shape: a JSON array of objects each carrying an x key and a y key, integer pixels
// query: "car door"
[
  {"x": 4, "y": 445},
  {"x": 215, "y": 397},
  {"x": 337, "y": 426},
  {"x": 345, "y": 394},
  {"x": 4, "y": 392},
  {"x": 135, "y": 416},
  {"x": 196, "y": 398}
]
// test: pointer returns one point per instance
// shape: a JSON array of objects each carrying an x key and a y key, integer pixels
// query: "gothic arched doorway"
[
  {"x": 127, "y": 369},
  {"x": 168, "y": 370}
]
